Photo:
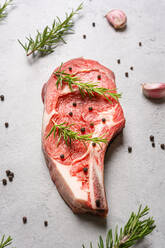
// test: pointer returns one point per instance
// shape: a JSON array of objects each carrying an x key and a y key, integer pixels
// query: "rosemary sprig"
[
  {"x": 45, "y": 42},
  {"x": 68, "y": 135},
  {"x": 3, "y": 9},
  {"x": 4, "y": 243},
  {"x": 135, "y": 229},
  {"x": 88, "y": 88}
]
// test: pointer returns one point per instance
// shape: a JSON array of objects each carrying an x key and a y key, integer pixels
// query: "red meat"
[{"x": 82, "y": 189}]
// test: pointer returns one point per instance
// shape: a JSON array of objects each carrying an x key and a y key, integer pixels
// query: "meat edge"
[{"x": 78, "y": 207}]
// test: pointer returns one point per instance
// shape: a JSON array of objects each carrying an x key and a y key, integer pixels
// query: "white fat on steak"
[{"x": 72, "y": 182}]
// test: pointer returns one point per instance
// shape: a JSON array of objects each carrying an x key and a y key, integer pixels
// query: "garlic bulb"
[
  {"x": 154, "y": 90},
  {"x": 117, "y": 18}
]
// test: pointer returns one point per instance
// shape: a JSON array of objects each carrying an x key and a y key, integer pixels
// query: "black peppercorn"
[
  {"x": 131, "y": 68},
  {"x": 6, "y": 124},
  {"x": 151, "y": 138},
  {"x": 103, "y": 120},
  {"x": 85, "y": 169},
  {"x": 11, "y": 174},
  {"x": 10, "y": 178},
  {"x": 62, "y": 156},
  {"x": 83, "y": 129},
  {"x": 4, "y": 181},
  {"x": 129, "y": 149},
  {"x": 99, "y": 77},
  {"x": 153, "y": 144},
  {"x": 140, "y": 44},
  {"x": 2, "y": 98},
  {"x": 45, "y": 223},
  {"x": 90, "y": 108},
  {"x": 93, "y": 24},
  {"x": 126, "y": 74},
  {"x": 162, "y": 146},
  {"x": 74, "y": 104},
  {"x": 70, "y": 113},
  {"x": 93, "y": 144},
  {"x": 8, "y": 172},
  {"x": 24, "y": 219},
  {"x": 84, "y": 36},
  {"x": 118, "y": 61},
  {"x": 97, "y": 203}
]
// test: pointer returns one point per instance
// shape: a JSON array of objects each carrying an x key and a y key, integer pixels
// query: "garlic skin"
[
  {"x": 117, "y": 18},
  {"x": 154, "y": 90}
]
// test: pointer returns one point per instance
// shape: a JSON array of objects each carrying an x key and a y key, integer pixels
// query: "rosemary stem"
[
  {"x": 85, "y": 88},
  {"x": 28, "y": 54},
  {"x": 137, "y": 227},
  {"x": 124, "y": 239},
  {"x": 32, "y": 51},
  {"x": 45, "y": 42}
]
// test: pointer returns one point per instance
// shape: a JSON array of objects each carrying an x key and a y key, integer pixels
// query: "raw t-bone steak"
[{"x": 78, "y": 170}]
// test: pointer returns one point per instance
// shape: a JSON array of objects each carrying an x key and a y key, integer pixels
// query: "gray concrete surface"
[{"x": 130, "y": 179}]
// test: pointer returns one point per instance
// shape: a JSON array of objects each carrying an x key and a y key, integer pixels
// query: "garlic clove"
[
  {"x": 154, "y": 90},
  {"x": 117, "y": 18}
]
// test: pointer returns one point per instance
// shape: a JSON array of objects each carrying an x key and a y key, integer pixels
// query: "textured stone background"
[{"x": 130, "y": 179}]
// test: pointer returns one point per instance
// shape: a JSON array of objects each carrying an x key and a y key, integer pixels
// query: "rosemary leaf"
[
  {"x": 136, "y": 228},
  {"x": 3, "y": 9},
  {"x": 4, "y": 243},
  {"x": 45, "y": 42},
  {"x": 68, "y": 135},
  {"x": 87, "y": 88}
]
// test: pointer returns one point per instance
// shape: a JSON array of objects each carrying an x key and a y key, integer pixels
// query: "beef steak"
[{"x": 78, "y": 170}]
